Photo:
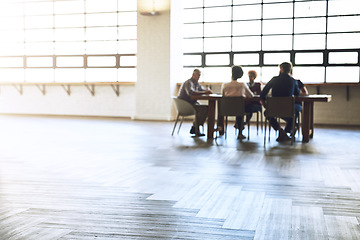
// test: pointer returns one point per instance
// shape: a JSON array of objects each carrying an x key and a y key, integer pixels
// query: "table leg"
[
  {"x": 307, "y": 121},
  {"x": 211, "y": 119},
  {"x": 311, "y": 119}
]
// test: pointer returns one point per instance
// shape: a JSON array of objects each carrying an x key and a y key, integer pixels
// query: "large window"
[
  {"x": 321, "y": 38},
  {"x": 68, "y": 40}
]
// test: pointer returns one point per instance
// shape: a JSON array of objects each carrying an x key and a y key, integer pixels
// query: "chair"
[
  {"x": 231, "y": 106},
  {"x": 280, "y": 107},
  {"x": 184, "y": 109},
  {"x": 257, "y": 120}
]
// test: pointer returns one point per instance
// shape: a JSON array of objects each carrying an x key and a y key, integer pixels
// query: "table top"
[{"x": 302, "y": 98}]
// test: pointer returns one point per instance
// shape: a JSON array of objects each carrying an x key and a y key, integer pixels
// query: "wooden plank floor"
[{"x": 93, "y": 178}]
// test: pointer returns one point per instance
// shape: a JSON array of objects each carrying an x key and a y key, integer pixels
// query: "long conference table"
[{"x": 307, "y": 122}]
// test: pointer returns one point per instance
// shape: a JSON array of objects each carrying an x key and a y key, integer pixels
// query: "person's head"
[
  {"x": 252, "y": 75},
  {"x": 196, "y": 74},
  {"x": 286, "y": 67},
  {"x": 236, "y": 72}
]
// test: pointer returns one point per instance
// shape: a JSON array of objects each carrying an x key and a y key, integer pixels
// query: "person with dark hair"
[
  {"x": 283, "y": 85},
  {"x": 255, "y": 87},
  {"x": 236, "y": 89},
  {"x": 193, "y": 87}
]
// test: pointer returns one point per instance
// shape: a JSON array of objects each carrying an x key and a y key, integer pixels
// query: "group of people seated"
[{"x": 283, "y": 85}]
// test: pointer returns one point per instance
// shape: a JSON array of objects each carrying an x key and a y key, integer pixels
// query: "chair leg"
[
  {"x": 293, "y": 130},
  {"x": 182, "y": 119},
  {"x": 257, "y": 122},
  {"x": 248, "y": 123},
  {"x": 226, "y": 123},
  {"x": 265, "y": 133},
  {"x": 177, "y": 118}
]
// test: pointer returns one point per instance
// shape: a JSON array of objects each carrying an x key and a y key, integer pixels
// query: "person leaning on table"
[
  {"x": 283, "y": 85},
  {"x": 193, "y": 87},
  {"x": 237, "y": 89}
]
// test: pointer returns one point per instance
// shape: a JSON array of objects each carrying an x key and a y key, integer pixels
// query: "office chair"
[{"x": 184, "y": 109}]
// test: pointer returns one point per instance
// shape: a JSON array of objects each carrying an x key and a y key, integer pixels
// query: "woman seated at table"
[
  {"x": 255, "y": 87},
  {"x": 236, "y": 89}
]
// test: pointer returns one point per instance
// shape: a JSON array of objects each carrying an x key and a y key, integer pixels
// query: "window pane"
[
  {"x": 246, "y": 43},
  {"x": 11, "y": 62},
  {"x": 127, "y": 32},
  {"x": 217, "y": 14},
  {"x": 222, "y": 74},
  {"x": 310, "y": 25},
  {"x": 69, "y": 48},
  {"x": 127, "y": 47},
  {"x": 277, "y": 42},
  {"x": 342, "y": 7},
  {"x": 276, "y": 58},
  {"x": 309, "y": 74},
  {"x": 343, "y": 57},
  {"x": 310, "y": 9},
  {"x": 315, "y": 41},
  {"x": 193, "y": 15},
  {"x": 246, "y": 59},
  {"x": 217, "y": 44},
  {"x": 126, "y": 61},
  {"x": 101, "y": 47},
  {"x": 193, "y": 30},
  {"x": 102, "y": 19},
  {"x": 245, "y": 1},
  {"x": 12, "y": 75},
  {"x": 69, "y": 75},
  {"x": 126, "y": 5},
  {"x": 125, "y": 18},
  {"x": 193, "y": 45},
  {"x": 109, "y": 61},
  {"x": 217, "y": 59},
  {"x": 105, "y": 6},
  {"x": 39, "y": 61},
  {"x": 69, "y": 61},
  {"x": 309, "y": 58},
  {"x": 336, "y": 74},
  {"x": 247, "y": 12},
  {"x": 192, "y": 3},
  {"x": 69, "y": 34},
  {"x": 39, "y": 75},
  {"x": 39, "y": 35},
  {"x": 39, "y": 22},
  {"x": 247, "y": 28},
  {"x": 11, "y": 9},
  {"x": 211, "y": 3},
  {"x": 77, "y": 20},
  {"x": 11, "y": 23},
  {"x": 343, "y": 24},
  {"x": 127, "y": 74},
  {"x": 41, "y": 8},
  {"x": 102, "y": 33},
  {"x": 343, "y": 41},
  {"x": 101, "y": 74},
  {"x": 11, "y": 49},
  {"x": 217, "y": 29},
  {"x": 192, "y": 60},
  {"x": 280, "y": 10},
  {"x": 267, "y": 73},
  {"x": 278, "y": 26},
  {"x": 12, "y": 36},
  {"x": 68, "y": 7},
  {"x": 39, "y": 48}
]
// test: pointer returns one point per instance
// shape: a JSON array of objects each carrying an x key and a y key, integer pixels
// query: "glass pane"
[
  {"x": 39, "y": 22},
  {"x": 217, "y": 14},
  {"x": 310, "y": 9},
  {"x": 77, "y": 20},
  {"x": 101, "y": 47},
  {"x": 309, "y": 74},
  {"x": 217, "y": 44},
  {"x": 108, "y": 61},
  {"x": 105, "y": 6},
  {"x": 101, "y": 74},
  {"x": 343, "y": 7},
  {"x": 212, "y": 3},
  {"x": 101, "y": 33},
  {"x": 309, "y": 58},
  {"x": 39, "y": 75},
  {"x": 193, "y": 45},
  {"x": 246, "y": 59},
  {"x": 68, "y": 7},
  {"x": 72, "y": 34},
  {"x": 246, "y": 43},
  {"x": 39, "y": 61},
  {"x": 217, "y": 29},
  {"x": 11, "y": 49},
  {"x": 276, "y": 58},
  {"x": 267, "y": 73},
  {"x": 216, "y": 74},
  {"x": 40, "y": 8},
  {"x": 279, "y": 10},
  {"x": 192, "y": 60},
  {"x": 127, "y": 32},
  {"x": 69, "y": 75},
  {"x": 192, "y": 3},
  {"x": 315, "y": 41},
  {"x": 69, "y": 61},
  {"x": 103, "y": 19},
  {"x": 126, "y": 47},
  {"x": 270, "y": 1},
  {"x": 12, "y": 75},
  {"x": 12, "y": 36},
  {"x": 277, "y": 42},
  {"x": 126, "y": 18},
  {"x": 284, "y": 26},
  {"x": 343, "y": 41},
  {"x": 11, "y": 9},
  {"x": 246, "y": 1},
  {"x": 11, "y": 62},
  {"x": 193, "y": 30},
  {"x": 192, "y": 15},
  {"x": 310, "y": 25},
  {"x": 126, "y": 61},
  {"x": 126, "y": 5},
  {"x": 343, "y": 24},
  {"x": 69, "y": 48},
  {"x": 336, "y": 74},
  {"x": 217, "y": 59},
  {"x": 39, "y": 35},
  {"x": 39, "y": 48},
  {"x": 246, "y": 28},
  {"x": 127, "y": 74},
  {"x": 343, "y": 57},
  {"x": 11, "y": 22},
  {"x": 247, "y": 12}
]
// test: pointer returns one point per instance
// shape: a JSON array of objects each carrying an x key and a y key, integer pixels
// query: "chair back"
[
  {"x": 183, "y": 107},
  {"x": 231, "y": 106},
  {"x": 283, "y": 107}
]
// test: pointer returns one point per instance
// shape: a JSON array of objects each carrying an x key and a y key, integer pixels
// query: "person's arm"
[
  {"x": 248, "y": 92},
  {"x": 266, "y": 90}
]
